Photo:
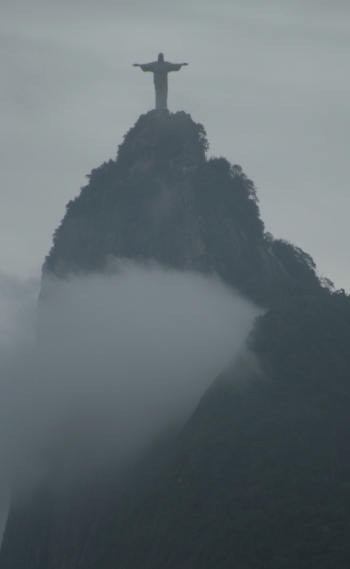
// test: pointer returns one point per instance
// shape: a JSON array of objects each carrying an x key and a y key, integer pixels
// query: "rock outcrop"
[{"x": 163, "y": 200}]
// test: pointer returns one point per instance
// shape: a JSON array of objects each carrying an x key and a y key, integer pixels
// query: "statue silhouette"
[{"x": 160, "y": 70}]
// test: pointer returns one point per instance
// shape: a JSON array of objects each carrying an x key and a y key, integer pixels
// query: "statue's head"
[{"x": 160, "y": 57}]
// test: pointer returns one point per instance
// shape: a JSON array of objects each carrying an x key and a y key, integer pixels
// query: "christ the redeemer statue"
[{"x": 160, "y": 70}]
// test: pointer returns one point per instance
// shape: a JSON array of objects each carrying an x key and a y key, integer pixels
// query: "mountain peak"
[
  {"x": 162, "y": 199},
  {"x": 161, "y": 138}
]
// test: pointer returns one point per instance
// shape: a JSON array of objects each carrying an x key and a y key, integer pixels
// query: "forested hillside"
[{"x": 259, "y": 477}]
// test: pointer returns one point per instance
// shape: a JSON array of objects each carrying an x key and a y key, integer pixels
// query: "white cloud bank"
[{"x": 120, "y": 357}]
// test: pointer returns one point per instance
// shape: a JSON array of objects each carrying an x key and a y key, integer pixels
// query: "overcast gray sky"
[{"x": 269, "y": 80}]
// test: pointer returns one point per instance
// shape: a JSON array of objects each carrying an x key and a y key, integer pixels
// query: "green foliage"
[
  {"x": 159, "y": 197},
  {"x": 260, "y": 475},
  {"x": 299, "y": 265},
  {"x": 162, "y": 136},
  {"x": 259, "y": 478},
  {"x": 305, "y": 337},
  {"x": 237, "y": 172}
]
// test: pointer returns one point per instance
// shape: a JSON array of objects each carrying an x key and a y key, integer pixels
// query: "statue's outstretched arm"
[
  {"x": 174, "y": 66},
  {"x": 145, "y": 66}
]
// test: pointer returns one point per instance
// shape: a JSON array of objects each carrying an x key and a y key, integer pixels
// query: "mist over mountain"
[
  {"x": 149, "y": 293},
  {"x": 121, "y": 357}
]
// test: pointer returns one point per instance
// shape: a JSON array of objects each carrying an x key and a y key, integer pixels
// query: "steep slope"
[{"x": 259, "y": 476}]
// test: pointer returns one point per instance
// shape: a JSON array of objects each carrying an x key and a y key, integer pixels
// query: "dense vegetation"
[
  {"x": 259, "y": 478},
  {"x": 163, "y": 199}
]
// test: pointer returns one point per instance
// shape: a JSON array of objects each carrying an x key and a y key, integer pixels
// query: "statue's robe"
[{"x": 160, "y": 70}]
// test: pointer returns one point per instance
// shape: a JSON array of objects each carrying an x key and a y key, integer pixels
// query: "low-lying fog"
[{"x": 119, "y": 357}]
